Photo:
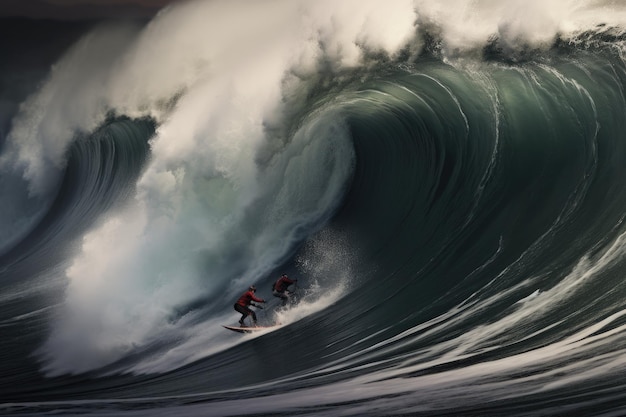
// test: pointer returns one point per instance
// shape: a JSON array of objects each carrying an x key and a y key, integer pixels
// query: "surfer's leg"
[
  {"x": 284, "y": 297},
  {"x": 244, "y": 312}
]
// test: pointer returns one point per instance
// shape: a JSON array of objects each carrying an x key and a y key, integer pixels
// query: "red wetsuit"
[
  {"x": 247, "y": 298},
  {"x": 282, "y": 283},
  {"x": 280, "y": 288},
  {"x": 241, "y": 306}
]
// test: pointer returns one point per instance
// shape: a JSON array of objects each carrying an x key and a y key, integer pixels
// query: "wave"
[{"x": 447, "y": 191}]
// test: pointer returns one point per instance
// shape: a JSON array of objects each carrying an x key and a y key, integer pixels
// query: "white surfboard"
[{"x": 246, "y": 329}]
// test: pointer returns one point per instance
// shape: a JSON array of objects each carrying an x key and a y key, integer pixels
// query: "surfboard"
[{"x": 248, "y": 329}]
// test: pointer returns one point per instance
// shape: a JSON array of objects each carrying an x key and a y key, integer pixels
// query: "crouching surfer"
[
  {"x": 279, "y": 289},
  {"x": 241, "y": 306}
]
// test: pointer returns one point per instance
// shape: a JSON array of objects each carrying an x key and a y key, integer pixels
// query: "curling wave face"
[{"x": 451, "y": 204}]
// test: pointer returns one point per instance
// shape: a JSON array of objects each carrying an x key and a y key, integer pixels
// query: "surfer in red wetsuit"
[
  {"x": 280, "y": 288},
  {"x": 244, "y": 301}
]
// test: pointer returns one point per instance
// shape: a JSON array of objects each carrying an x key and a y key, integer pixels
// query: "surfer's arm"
[{"x": 258, "y": 300}]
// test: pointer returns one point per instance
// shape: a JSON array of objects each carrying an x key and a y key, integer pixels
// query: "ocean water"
[{"x": 445, "y": 181}]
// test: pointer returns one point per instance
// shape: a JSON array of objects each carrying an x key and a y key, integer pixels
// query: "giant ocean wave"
[{"x": 445, "y": 182}]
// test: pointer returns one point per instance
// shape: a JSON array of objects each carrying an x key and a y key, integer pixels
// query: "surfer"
[
  {"x": 244, "y": 301},
  {"x": 279, "y": 289}
]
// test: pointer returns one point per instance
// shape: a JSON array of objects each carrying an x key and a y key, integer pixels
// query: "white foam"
[{"x": 209, "y": 215}]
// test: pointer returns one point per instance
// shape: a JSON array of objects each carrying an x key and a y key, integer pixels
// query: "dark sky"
[{"x": 81, "y": 9}]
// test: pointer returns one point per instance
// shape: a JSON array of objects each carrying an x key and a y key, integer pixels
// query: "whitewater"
[{"x": 445, "y": 181}]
